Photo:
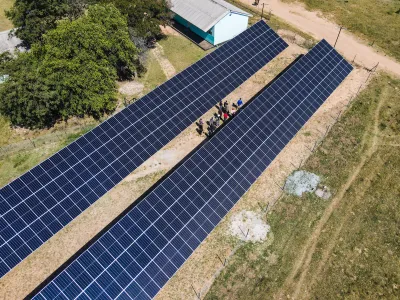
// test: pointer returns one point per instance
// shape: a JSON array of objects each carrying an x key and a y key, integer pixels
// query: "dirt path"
[
  {"x": 376, "y": 141},
  {"x": 302, "y": 265},
  {"x": 166, "y": 66},
  {"x": 333, "y": 240},
  {"x": 318, "y": 27}
]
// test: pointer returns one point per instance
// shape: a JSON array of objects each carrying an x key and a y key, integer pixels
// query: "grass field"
[
  {"x": 180, "y": 51},
  {"x": 378, "y": 22},
  {"x": 354, "y": 253},
  {"x": 20, "y": 151},
  {"x": 5, "y": 24},
  {"x": 154, "y": 75}
]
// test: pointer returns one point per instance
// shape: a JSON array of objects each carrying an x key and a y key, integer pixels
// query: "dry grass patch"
[
  {"x": 378, "y": 22},
  {"x": 357, "y": 251},
  {"x": 5, "y": 24}
]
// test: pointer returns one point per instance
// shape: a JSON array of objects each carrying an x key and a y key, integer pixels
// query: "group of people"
[{"x": 224, "y": 113}]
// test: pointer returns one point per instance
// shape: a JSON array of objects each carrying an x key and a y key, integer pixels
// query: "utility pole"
[
  {"x": 262, "y": 11},
  {"x": 340, "y": 30}
]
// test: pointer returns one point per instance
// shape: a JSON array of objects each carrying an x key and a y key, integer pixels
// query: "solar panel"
[
  {"x": 137, "y": 255},
  {"x": 41, "y": 202}
]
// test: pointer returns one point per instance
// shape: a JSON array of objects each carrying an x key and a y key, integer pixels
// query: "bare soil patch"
[
  {"x": 249, "y": 226},
  {"x": 130, "y": 88},
  {"x": 292, "y": 37}
]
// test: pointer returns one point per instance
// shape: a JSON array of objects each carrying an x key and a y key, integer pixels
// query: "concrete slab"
[{"x": 8, "y": 43}]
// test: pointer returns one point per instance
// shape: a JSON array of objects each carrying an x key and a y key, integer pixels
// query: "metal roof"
[{"x": 204, "y": 13}]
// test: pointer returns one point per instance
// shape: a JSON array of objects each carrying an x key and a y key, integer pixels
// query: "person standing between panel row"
[
  {"x": 216, "y": 120},
  {"x": 226, "y": 106},
  {"x": 239, "y": 103},
  {"x": 201, "y": 126},
  {"x": 226, "y": 116},
  {"x": 223, "y": 114},
  {"x": 220, "y": 109}
]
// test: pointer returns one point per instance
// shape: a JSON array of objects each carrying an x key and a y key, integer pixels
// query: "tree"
[
  {"x": 5, "y": 59},
  {"x": 33, "y": 18},
  {"x": 102, "y": 34},
  {"x": 72, "y": 72},
  {"x": 145, "y": 17},
  {"x": 24, "y": 97}
]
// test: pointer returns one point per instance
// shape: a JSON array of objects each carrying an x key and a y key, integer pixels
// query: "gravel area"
[{"x": 249, "y": 226}]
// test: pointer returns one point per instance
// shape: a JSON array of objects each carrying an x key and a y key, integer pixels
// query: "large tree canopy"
[
  {"x": 145, "y": 17},
  {"x": 72, "y": 72},
  {"x": 32, "y": 18}
]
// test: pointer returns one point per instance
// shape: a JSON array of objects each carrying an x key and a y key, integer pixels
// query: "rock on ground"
[
  {"x": 324, "y": 194},
  {"x": 300, "y": 182}
]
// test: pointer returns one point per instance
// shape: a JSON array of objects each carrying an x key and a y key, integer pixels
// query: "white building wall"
[{"x": 229, "y": 27}]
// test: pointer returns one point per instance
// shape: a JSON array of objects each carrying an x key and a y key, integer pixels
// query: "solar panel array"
[
  {"x": 41, "y": 202},
  {"x": 141, "y": 251}
]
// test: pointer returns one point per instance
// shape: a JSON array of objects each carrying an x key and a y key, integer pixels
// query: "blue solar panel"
[
  {"x": 38, "y": 204},
  {"x": 144, "y": 248}
]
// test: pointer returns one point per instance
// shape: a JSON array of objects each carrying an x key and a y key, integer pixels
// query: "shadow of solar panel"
[
  {"x": 38, "y": 204},
  {"x": 137, "y": 255}
]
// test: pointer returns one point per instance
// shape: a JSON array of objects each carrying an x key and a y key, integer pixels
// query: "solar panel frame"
[
  {"x": 81, "y": 173},
  {"x": 127, "y": 261}
]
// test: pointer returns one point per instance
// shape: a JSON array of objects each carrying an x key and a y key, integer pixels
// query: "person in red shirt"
[{"x": 226, "y": 116}]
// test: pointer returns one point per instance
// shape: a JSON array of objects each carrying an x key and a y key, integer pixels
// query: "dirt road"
[{"x": 319, "y": 27}]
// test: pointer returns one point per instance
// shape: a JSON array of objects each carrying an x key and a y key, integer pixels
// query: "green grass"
[
  {"x": 5, "y": 131},
  {"x": 369, "y": 211},
  {"x": 37, "y": 146},
  {"x": 74, "y": 136},
  {"x": 154, "y": 75},
  {"x": 181, "y": 52},
  {"x": 15, "y": 164},
  {"x": 5, "y": 24},
  {"x": 378, "y": 22}
]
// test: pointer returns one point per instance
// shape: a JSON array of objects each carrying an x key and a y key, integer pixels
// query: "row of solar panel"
[
  {"x": 44, "y": 200},
  {"x": 141, "y": 251},
  {"x": 177, "y": 86}
]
